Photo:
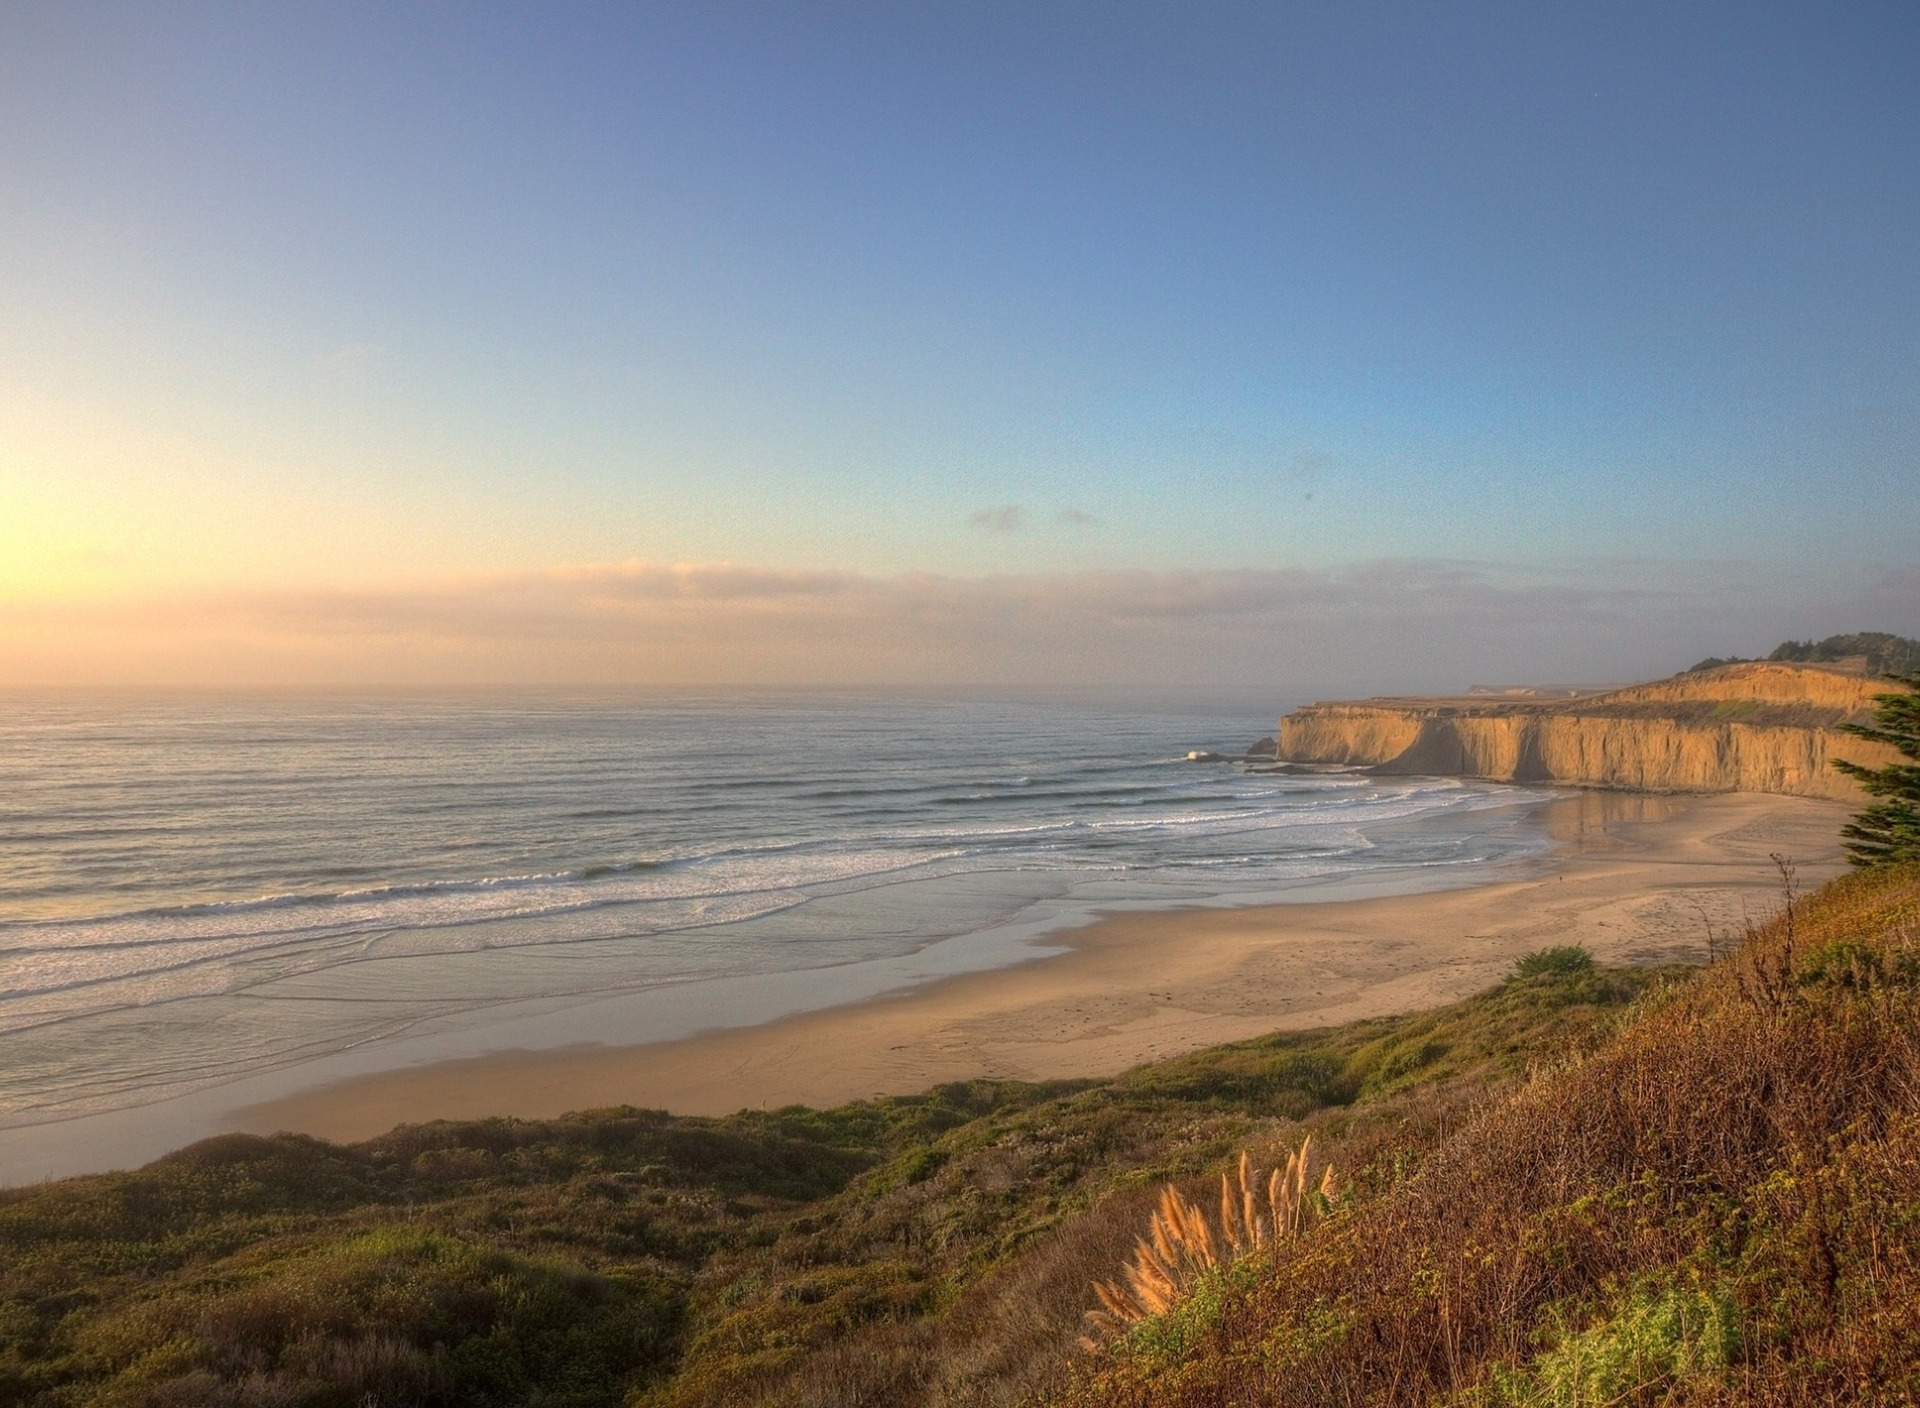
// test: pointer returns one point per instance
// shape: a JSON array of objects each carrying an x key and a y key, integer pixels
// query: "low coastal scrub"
[
  {"x": 1584, "y": 1185},
  {"x": 935, "y": 1249},
  {"x": 1719, "y": 1203}
]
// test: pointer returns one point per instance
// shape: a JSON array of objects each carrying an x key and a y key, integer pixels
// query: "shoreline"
[
  {"x": 596, "y": 1003},
  {"x": 1633, "y": 877}
]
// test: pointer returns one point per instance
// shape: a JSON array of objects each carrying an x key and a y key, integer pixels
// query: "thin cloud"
[
  {"x": 1291, "y": 632},
  {"x": 1000, "y": 518},
  {"x": 1075, "y": 517}
]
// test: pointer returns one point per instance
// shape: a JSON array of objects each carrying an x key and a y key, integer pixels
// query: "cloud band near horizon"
[{"x": 1378, "y": 626}]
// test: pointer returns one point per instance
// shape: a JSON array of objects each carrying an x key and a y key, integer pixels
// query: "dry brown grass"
[
  {"x": 1181, "y": 1246},
  {"x": 1754, "y": 1139}
]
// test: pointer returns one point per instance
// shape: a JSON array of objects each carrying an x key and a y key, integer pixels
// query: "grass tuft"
[
  {"x": 1562, "y": 961},
  {"x": 1182, "y": 1249}
]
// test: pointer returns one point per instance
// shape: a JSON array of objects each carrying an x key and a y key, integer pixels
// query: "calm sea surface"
[{"x": 192, "y": 890}]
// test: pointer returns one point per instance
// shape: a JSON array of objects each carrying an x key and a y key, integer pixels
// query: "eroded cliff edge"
[{"x": 1743, "y": 728}]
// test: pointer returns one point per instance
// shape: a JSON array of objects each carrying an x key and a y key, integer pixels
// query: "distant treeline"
[{"x": 1886, "y": 654}]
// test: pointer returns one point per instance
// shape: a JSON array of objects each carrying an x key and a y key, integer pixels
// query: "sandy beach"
[{"x": 1634, "y": 878}]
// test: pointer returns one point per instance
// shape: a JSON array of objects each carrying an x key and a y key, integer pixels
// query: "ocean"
[{"x": 194, "y": 891}]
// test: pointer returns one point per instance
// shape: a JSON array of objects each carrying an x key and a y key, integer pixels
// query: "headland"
[{"x": 1757, "y": 726}]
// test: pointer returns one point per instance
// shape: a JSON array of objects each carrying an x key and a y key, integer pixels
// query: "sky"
[{"x": 1222, "y": 346}]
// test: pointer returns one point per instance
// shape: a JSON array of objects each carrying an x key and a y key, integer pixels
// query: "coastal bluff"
[{"x": 1757, "y": 727}]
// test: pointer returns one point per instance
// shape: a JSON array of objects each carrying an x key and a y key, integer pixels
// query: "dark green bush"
[
  {"x": 1562, "y": 961},
  {"x": 397, "y": 1313}
]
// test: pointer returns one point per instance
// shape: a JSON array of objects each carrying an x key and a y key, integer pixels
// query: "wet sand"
[{"x": 1635, "y": 879}]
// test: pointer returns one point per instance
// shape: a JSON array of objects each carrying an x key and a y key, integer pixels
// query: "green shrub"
[
  {"x": 1654, "y": 1341},
  {"x": 395, "y": 1314},
  {"x": 1562, "y": 961},
  {"x": 1165, "y": 1339},
  {"x": 1846, "y": 964}
]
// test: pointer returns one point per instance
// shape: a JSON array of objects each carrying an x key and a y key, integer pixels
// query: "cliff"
[{"x": 1760, "y": 727}]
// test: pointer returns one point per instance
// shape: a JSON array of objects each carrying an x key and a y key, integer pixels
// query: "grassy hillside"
[
  {"x": 1582, "y": 1186},
  {"x": 936, "y": 1249},
  {"x": 1719, "y": 1204}
]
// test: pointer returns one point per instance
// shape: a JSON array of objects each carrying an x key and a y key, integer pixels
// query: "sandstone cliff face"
[{"x": 1744, "y": 728}]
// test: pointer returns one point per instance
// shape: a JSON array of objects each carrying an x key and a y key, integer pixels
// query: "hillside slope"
[
  {"x": 1719, "y": 1204},
  {"x": 929, "y": 1250},
  {"x": 1760, "y": 727}
]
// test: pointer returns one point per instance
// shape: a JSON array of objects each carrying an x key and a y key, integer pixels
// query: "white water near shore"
[{"x": 198, "y": 896}]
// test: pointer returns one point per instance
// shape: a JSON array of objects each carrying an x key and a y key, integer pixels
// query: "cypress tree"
[{"x": 1889, "y": 830}]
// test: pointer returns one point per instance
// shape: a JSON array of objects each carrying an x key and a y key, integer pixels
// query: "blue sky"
[{"x": 329, "y": 297}]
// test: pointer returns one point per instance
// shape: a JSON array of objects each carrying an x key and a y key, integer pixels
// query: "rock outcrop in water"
[{"x": 1760, "y": 727}]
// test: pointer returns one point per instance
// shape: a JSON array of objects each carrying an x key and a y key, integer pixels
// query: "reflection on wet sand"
[{"x": 1590, "y": 821}]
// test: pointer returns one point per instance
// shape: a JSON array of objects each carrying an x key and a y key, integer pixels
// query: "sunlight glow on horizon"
[{"x": 363, "y": 344}]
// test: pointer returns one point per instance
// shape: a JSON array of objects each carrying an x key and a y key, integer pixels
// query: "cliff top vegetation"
[{"x": 1883, "y": 653}]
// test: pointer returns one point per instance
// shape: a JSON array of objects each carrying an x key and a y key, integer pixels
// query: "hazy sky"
[{"x": 1274, "y": 345}]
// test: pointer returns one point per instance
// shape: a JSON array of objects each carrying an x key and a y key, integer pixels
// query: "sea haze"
[{"x": 197, "y": 890}]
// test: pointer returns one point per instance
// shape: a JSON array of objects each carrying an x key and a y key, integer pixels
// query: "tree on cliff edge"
[{"x": 1888, "y": 831}]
